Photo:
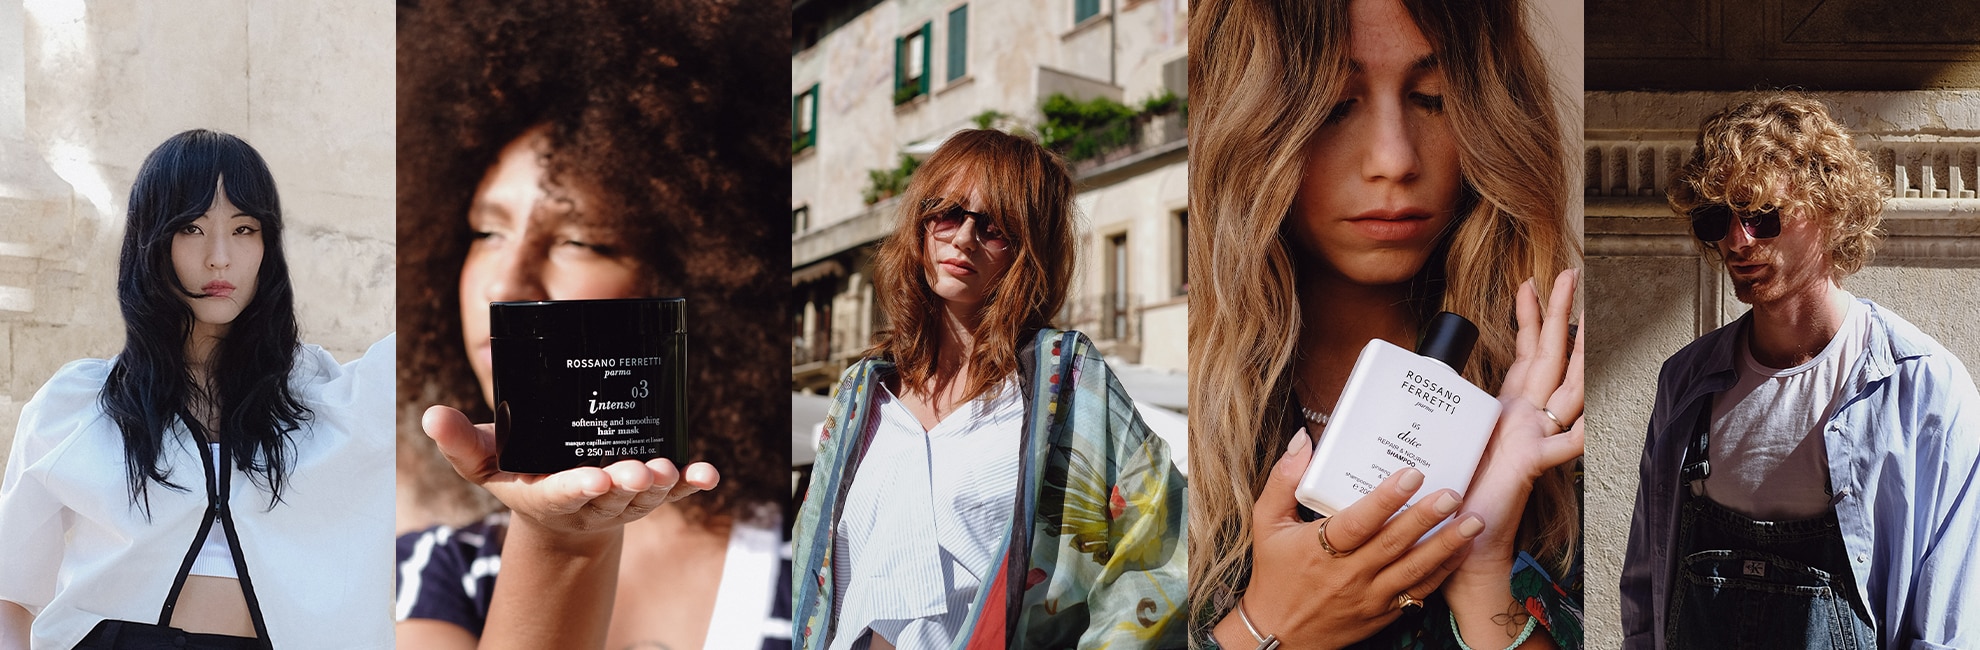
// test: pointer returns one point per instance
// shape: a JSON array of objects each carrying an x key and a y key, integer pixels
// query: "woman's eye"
[
  {"x": 1429, "y": 102},
  {"x": 599, "y": 249},
  {"x": 245, "y": 230},
  {"x": 1339, "y": 111},
  {"x": 189, "y": 229}
]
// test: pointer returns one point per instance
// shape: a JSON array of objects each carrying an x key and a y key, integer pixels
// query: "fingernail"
[
  {"x": 1469, "y": 528},
  {"x": 1446, "y": 504},
  {"x": 1299, "y": 439},
  {"x": 1408, "y": 479}
]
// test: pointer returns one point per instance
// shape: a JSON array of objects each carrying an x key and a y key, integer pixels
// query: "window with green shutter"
[
  {"x": 1084, "y": 9},
  {"x": 804, "y": 119},
  {"x": 958, "y": 43},
  {"x": 911, "y": 56}
]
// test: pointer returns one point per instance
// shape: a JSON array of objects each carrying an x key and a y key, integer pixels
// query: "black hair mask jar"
[{"x": 588, "y": 382}]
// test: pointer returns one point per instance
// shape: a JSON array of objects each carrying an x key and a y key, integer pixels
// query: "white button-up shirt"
[{"x": 925, "y": 520}]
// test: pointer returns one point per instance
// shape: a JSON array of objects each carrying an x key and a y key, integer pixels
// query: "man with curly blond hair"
[{"x": 1806, "y": 477}]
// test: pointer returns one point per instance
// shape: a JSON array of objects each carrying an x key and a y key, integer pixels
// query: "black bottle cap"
[{"x": 1449, "y": 339}]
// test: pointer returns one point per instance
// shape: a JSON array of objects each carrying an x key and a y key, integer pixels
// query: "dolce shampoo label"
[{"x": 1398, "y": 410}]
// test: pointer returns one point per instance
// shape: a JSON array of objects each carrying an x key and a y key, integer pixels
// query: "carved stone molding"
[{"x": 1923, "y": 167}]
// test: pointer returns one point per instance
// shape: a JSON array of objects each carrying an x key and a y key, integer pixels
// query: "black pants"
[{"x": 126, "y": 635}]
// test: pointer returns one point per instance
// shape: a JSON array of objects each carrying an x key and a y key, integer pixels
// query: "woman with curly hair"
[
  {"x": 574, "y": 150},
  {"x": 1359, "y": 166},
  {"x": 984, "y": 481},
  {"x": 216, "y": 465}
]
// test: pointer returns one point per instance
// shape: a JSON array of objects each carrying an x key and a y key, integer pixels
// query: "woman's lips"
[
  {"x": 1397, "y": 225},
  {"x": 957, "y": 267},
  {"x": 218, "y": 289}
]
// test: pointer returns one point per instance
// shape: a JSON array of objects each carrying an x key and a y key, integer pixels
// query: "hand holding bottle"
[
  {"x": 1309, "y": 597},
  {"x": 1539, "y": 428},
  {"x": 1545, "y": 378}
]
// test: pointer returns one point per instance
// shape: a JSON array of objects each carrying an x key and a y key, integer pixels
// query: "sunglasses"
[
  {"x": 944, "y": 223},
  {"x": 1713, "y": 222}
]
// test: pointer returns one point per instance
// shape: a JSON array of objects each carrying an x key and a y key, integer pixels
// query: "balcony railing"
[{"x": 1138, "y": 135}]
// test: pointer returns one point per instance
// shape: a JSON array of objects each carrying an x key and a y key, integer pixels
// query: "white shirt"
[
  {"x": 78, "y": 551},
  {"x": 926, "y": 519},
  {"x": 750, "y": 571},
  {"x": 1768, "y": 458}
]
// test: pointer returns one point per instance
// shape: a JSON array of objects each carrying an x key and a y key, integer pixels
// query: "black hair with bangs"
[{"x": 151, "y": 385}]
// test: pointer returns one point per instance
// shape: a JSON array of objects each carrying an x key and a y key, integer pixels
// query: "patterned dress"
[{"x": 1100, "y": 556}]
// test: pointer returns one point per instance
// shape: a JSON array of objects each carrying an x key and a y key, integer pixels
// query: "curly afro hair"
[{"x": 672, "y": 116}]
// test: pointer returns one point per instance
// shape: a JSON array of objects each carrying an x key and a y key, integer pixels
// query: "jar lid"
[{"x": 615, "y": 318}]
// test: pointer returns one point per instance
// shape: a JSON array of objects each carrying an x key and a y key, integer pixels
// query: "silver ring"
[
  {"x": 1321, "y": 532},
  {"x": 1557, "y": 421},
  {"x": 1404, "y": 600}
]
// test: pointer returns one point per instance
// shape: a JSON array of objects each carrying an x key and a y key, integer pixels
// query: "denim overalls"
[{"x": 1742, "y": 583}]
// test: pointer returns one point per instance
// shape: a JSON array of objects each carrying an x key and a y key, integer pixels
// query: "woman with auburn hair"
[
  {"x": 1006, "y": 495},
  {"x": 1415, "y": 166}
]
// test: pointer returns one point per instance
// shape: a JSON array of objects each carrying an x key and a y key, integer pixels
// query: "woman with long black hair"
[{"x": 254, "y": 467}]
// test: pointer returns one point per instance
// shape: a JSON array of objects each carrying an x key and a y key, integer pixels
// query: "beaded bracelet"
[{"x": 1531, "y": 623}]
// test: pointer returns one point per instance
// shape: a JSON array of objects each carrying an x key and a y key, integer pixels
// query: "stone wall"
[{"x": 87, "y": 91}]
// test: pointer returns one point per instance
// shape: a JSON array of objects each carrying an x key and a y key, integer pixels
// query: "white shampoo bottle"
[{"x": 1403, "y": 409}]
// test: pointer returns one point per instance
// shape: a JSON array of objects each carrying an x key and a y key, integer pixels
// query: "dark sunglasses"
[
  {"x": 944, "y": 223},
  {"x": 1713, "y": 222}
]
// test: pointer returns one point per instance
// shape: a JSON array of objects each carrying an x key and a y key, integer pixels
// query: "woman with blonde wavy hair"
[
  {"x": 1358, "y": 166},
  {"x": 983, "y": 481}
]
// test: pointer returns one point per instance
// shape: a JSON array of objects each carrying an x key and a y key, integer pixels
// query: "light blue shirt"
[{"x": 1903, "y": 450}]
